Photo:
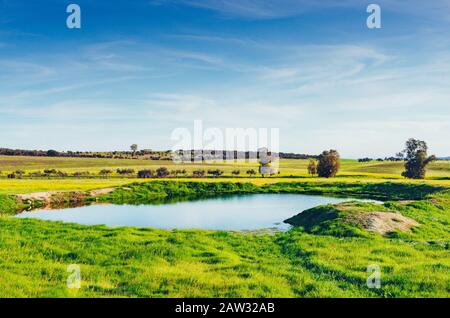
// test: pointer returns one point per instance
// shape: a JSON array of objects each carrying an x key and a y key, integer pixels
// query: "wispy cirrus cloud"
[{"x": 269, "y": 9}]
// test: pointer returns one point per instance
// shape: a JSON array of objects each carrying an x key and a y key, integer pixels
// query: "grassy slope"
[
  {"x": 146, "y": 262},
  {"x": 9, "y": 205},
  {"x": 155, "y": 263}
]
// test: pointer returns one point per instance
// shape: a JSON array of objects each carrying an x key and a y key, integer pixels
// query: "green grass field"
[{"x": 326, "y": 259}]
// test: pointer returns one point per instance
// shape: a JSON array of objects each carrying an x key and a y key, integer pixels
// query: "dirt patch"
[
  {"x": 57, "y": 197},
  {"x": 382, "y": 222},
  {"x": 404, "y": 202},
  {"x": 98, "y": 192},
  {"x": 40, "y": 196}
]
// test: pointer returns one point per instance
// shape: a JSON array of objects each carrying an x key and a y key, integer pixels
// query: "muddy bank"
[{"x": 60, "y": 198}]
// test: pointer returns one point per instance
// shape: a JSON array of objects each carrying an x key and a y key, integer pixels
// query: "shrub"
[
  {"x": 81, "y": 174},
  {"x": 215, "y": 173},
  {"x": 125, "y": 171},
  {"x": 328, "y": 164},
  {"x": 146, "y": 174},
  {"x": 312, "y": 167},
  {"x": 162, "y": 172},
  {"x": 105, "y": 172},
  {"x": 198, "y": 173}
]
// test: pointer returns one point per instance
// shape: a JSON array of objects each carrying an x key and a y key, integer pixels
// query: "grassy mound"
[
  {"x": 427, "y": 219},
  {"x": 351, "y": 219}
]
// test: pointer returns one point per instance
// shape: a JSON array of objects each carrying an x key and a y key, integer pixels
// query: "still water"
[{"x": 237, "y": 212}]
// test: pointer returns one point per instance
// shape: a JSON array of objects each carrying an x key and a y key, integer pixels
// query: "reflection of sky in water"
[{"x": 240, "y": 212}]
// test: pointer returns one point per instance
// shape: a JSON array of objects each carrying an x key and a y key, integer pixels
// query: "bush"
[
  {"x": 198, "y": 173},
  {"x": 215, "y": 173},
  {"x": 328, "y": 164},
  {"x": 81, "y": 174},
  {"x": 162, "y": 172},
  {"x": 125, "y": 171},
  {"x": 146, "y": 174},
  {"x": 105, "y": 172},
  {"x": 312, "y": 168}
]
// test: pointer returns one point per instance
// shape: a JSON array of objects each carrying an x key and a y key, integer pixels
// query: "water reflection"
[{"x": 233, "y": 212}]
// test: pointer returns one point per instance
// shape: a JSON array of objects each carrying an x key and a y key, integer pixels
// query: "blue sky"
[{"x": 137, "y": 70}]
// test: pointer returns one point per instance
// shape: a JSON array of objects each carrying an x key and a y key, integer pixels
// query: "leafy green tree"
[
  {"x": 416, "y": 159},
  {"x": 329, "y": 164}
]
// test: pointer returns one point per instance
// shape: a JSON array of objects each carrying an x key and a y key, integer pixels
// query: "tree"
[
  {"x": 417, "y": 159},
  {"x": 198, "y": 173},
  {"x": 162, "y": 172},
  {"x": 251, "y": 172},
  {"x": 19, "y": 173},
  {"x": 146, "y": 174},
  {"x": 125, "y": 171},
  {"x": 236, "y": 172},
  {"x": 312, "y": 167},
  {"x": 329, "y": 164},
  {"x": 105, "y": 172},
  {"x": 215, "y": 172},
  {"x": 134, "y": 148},
  {"x": 52, "y": 153},
  {"x": 178, "y": 172}
]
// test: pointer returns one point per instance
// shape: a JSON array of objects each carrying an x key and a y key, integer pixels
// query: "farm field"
[
  {"x": 290, "y": 171},
  {"x": 288, "y": 167}
]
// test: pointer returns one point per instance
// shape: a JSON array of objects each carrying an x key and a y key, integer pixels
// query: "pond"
[{"x": 236, "y": 212}]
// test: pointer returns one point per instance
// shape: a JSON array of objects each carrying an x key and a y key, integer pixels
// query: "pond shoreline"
[
  {"x": 144, "y": 193},
  {"x": 250, "y": 211}
]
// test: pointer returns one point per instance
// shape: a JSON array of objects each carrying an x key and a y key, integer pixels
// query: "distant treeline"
[
  {"x": 189, "y": 155},
  {"x": 381, "y": 159}
]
